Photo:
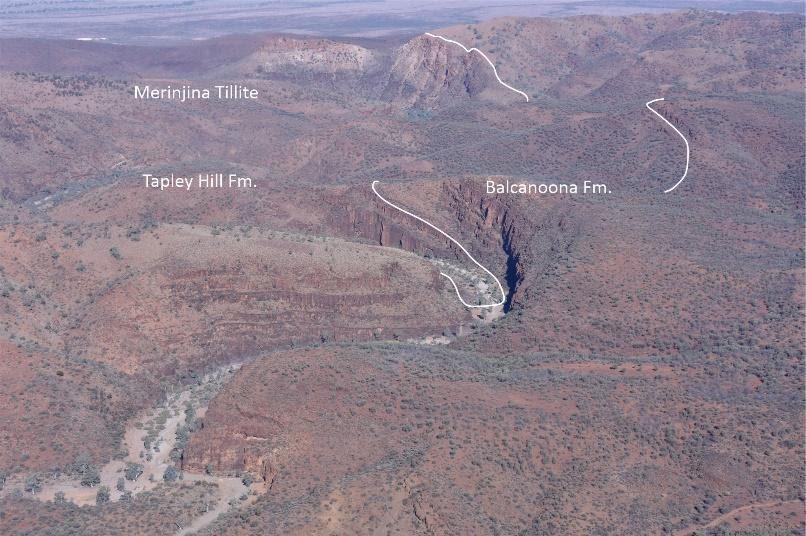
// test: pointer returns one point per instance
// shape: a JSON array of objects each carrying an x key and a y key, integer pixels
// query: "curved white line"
[
  {"x": 483, "y": 55},
  {"x": 680, "y": 134},
  {"x": 449, "y": 237}
]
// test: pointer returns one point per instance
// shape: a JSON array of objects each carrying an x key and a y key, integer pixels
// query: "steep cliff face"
[
  {"x": 534, "y": 234},
  {"x": 518, "y": 239},
  {"x": 427, "y": 71},
  {"x": 358, "y": 213}
]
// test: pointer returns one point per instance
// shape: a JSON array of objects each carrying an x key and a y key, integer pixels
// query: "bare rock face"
[
  {"x": 286, "y": 57},
  {"x": 427, "y": 71},
  {"x": 316, "y": 55}
]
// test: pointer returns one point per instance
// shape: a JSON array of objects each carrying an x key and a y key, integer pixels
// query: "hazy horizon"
[{"x": 163, "y": 21}]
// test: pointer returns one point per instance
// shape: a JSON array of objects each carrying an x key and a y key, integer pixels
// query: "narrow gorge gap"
[{"x": 512, "y": 277}]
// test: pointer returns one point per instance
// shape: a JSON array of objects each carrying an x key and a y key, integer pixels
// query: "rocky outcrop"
[
  {"x": 230, "y": 300},
  {"x": 426, "y": 72},
  {"x": 316, "y": 55},
  {"x": 531, "y": 239},
  {"x": 505, "y": 233}
]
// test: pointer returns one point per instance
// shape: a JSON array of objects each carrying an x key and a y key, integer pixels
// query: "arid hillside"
[
  {"x": 412, "y": 440},
  {"x": 644, "y": 375},
  {"x": 109, "y": 317}
]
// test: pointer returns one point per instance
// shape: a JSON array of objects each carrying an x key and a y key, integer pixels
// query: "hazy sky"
[{"x": 160, "y": 20}]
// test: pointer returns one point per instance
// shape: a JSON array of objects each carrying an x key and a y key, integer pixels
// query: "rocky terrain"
[
  {"x": 410, "y": 440},
  {"x": 644, "y": 376}
]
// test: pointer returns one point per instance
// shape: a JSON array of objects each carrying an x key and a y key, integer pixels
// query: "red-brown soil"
[
  {"x": 646, "y": 379},
  {"x": 368, "y": 439}
]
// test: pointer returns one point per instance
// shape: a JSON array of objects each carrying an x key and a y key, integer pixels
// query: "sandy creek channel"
[{"x": 161, "y": 424}]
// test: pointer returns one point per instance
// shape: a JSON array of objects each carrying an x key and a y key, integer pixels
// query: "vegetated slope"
[
  {"x": 102, "y": 316},
  {"x": 374, "y": 438},
  {"x": 629, "y": 56},
  {"x": 642, "y": 275},
  {"x": 346, "y": 112},
  {"x": 152, "y": 513},
  {"x": 227, "y": 298},
  {"x": 656, "y": 339},
  {"x": 53, "y": 409}
]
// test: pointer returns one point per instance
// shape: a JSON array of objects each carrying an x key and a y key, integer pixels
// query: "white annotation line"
[
  {"x": 449, "y": 237},
  {"x": 688, "y": 151},
  {"x": 483, "y": 55}
]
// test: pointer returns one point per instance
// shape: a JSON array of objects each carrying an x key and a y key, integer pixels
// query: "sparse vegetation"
[
  {"x": 647, "y": 377},
  {"x": 103, "y": 495},
  {"x": 133, "y": 471}
]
